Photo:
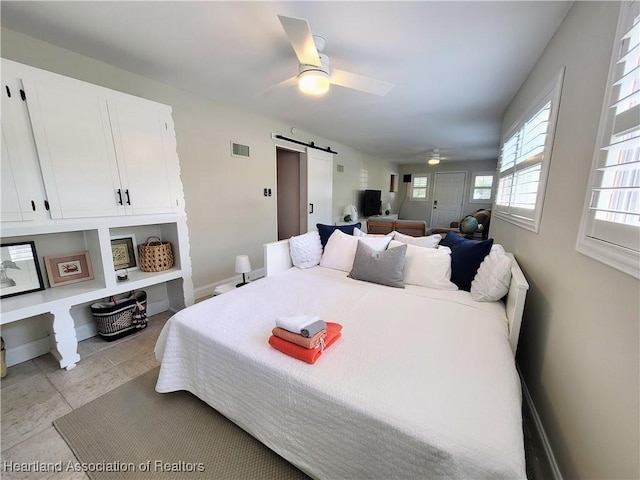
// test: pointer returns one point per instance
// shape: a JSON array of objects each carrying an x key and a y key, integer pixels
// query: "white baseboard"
[
  {"x": 42, "y": 346},
  {"x": 28, "y": 351},
  {"x": 548, "y": 452},
  {"x": 207, "y": 290}
]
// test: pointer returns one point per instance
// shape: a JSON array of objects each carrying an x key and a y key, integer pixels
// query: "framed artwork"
[
  {"x": 19, "y": 269},
  {"x": 63, "y": 270},
  {"x": 124, "y": 252}
]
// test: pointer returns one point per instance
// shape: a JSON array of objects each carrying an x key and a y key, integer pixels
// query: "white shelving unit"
[{"x": 82, "y": 164}]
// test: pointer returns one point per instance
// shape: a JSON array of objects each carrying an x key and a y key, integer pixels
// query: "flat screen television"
[{"x": 371, "y": 202}]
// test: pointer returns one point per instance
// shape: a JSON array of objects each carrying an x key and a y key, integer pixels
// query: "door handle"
[
  {"x": 119, "y": 196},
  {"x": 311, "y": 208},
  {"x": 128, "y": 197}
]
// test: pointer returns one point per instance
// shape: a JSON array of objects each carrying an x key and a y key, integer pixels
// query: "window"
[
  {"x": 481, "y": 187},
  {"x": 364, "y": 179},
  {"x": 420, "y": 188},
  {"x": 525, "y": 155},
  {"x": 610, "y": 226}
]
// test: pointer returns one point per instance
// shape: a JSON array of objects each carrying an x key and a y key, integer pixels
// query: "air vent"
[
  {"x": 238, "y": 150},
  {"x": 341, "y": 168}
]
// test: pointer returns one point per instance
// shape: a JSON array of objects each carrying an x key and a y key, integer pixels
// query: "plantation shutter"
[
  {"x": 610, "y": 226},
  {"x": 524, "y": 160}
]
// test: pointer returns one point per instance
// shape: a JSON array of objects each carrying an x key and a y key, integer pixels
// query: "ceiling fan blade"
[
  {"x": 289, "y": 82},
  {"x": 286, "y": 83},
  {"x": 360, "y": 82},
  {"x": 299, "y": 34}
]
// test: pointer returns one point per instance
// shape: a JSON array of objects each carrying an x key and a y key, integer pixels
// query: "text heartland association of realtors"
[{"x": 73, "y": 466}]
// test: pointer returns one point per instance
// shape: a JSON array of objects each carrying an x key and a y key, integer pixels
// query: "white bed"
[{"x": 422, "y": 383}]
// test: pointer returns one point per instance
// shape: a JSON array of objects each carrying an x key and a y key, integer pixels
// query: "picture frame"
[
  {"x": 67, "y": 269},
  {"x": 124, "y": 252},
  {"x": 19, "y": 269}
]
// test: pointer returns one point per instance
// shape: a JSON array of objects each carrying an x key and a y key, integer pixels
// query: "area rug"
[{"x": 134, "y": 432}]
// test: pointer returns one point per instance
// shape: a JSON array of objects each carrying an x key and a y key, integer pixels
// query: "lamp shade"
[
  {"x": 387, "y": 207},
  {"x": 243, "y": 265},
  {"x": 347, "y": 210},
  {"x": 313, "y": 82}
]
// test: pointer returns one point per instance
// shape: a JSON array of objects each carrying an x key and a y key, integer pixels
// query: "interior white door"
[
  {"x": 319, "y": 188},
  {"x": 448, "y": 198}
]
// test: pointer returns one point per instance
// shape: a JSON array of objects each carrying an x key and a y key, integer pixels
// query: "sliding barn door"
[{"x": 319, "y": 188}]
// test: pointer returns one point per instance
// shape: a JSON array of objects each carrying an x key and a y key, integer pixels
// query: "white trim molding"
[{"x": 540, "y": 431}]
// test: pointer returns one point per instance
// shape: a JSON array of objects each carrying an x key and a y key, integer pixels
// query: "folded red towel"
[
  {"x": 306, "y": 342},
  {"x": 309, "y": 355}
]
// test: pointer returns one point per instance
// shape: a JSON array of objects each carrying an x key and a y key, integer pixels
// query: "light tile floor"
[{"x": 37, "y": 392}]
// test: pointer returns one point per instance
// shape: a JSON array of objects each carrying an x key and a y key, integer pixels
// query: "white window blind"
[
  {"x": 524, "y": 160},
  {"x": 420, "y": 187},
  {"x": 610, "y": 227}
]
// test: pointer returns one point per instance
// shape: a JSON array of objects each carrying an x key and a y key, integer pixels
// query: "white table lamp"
[
  {"x": 243, "y": 266},
  {"x": 350, "y": 213}
]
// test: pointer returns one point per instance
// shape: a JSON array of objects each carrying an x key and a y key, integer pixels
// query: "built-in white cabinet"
[
  {"x": 101, "y": 153},
  {"x": 82, "y": 164}
]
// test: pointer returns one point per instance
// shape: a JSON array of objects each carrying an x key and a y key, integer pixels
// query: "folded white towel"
[{"x": 296, "y": 323}]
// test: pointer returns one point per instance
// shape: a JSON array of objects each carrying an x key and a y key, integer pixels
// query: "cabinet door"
[
  {"x": 22, "y": 189},
  {"x": 16, "y": 204},
  {"x": 139, "y": 129},
  {"x": 71, "y": 128}
]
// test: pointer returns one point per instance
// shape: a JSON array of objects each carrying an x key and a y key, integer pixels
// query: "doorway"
[
  {"x": 291, "y": 189},
  {"x": 448, "y": 198}
]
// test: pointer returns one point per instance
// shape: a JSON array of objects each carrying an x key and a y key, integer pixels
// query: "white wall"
[
  {"x": 579, "y": 346},
  {"x": 227, "y": 212}
]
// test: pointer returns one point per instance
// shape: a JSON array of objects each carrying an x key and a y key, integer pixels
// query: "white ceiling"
[{"x": 455, "y": 65}]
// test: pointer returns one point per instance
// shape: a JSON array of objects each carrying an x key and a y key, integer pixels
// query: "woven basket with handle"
[{"x": 155, "y": 255}]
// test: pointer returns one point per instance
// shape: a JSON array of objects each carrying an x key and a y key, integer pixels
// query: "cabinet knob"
[
  {"x": 119, "y": 196},
  {"x": 128, "y": 196}
]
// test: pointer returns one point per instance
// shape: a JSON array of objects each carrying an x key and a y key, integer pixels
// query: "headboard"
[{"x": 277, "y": 259}]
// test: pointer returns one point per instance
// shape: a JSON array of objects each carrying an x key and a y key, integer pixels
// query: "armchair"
[{"x": 471, "y": 226}]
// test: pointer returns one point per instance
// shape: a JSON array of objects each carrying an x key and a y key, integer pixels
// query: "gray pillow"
[{"x": 385, "y": 267}]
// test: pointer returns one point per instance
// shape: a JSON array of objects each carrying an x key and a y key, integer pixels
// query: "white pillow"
[
  {"x": 430, "y": 241},
  {"x": 340, "y": 249},
  {"x": 305, "y": 249},
  {"x": 427, "y": 267},
  {"x": 359, "y": 233},
  {"x": 491, "y": 283}
]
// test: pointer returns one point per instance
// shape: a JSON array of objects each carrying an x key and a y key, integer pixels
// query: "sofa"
[
  {"x": 415, "y": 228},
  {"x": 482, "y": 216}
]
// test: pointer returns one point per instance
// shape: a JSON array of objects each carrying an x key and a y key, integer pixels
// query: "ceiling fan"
[{"x": 314, "y": 74}]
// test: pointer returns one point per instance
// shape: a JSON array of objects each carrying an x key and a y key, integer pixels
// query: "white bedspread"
[{"x": 422, "y": 383}]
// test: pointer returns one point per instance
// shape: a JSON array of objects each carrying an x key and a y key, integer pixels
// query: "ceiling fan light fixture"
[
  {"x": 313, "y": 82},
  {"x": 434, "y": 159}
]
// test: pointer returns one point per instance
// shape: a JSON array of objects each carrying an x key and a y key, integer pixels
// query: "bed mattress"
[{"x": 422, "y": 383}]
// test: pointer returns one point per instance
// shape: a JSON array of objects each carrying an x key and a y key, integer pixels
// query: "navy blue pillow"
[
  {"x": 466, "y": 257},
  {"x": 325, "y": 231}
]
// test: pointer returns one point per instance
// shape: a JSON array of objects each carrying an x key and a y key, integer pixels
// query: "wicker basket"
[
  {"x": 155, "y": 255},
  {"x": 121, "y": 315}
]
